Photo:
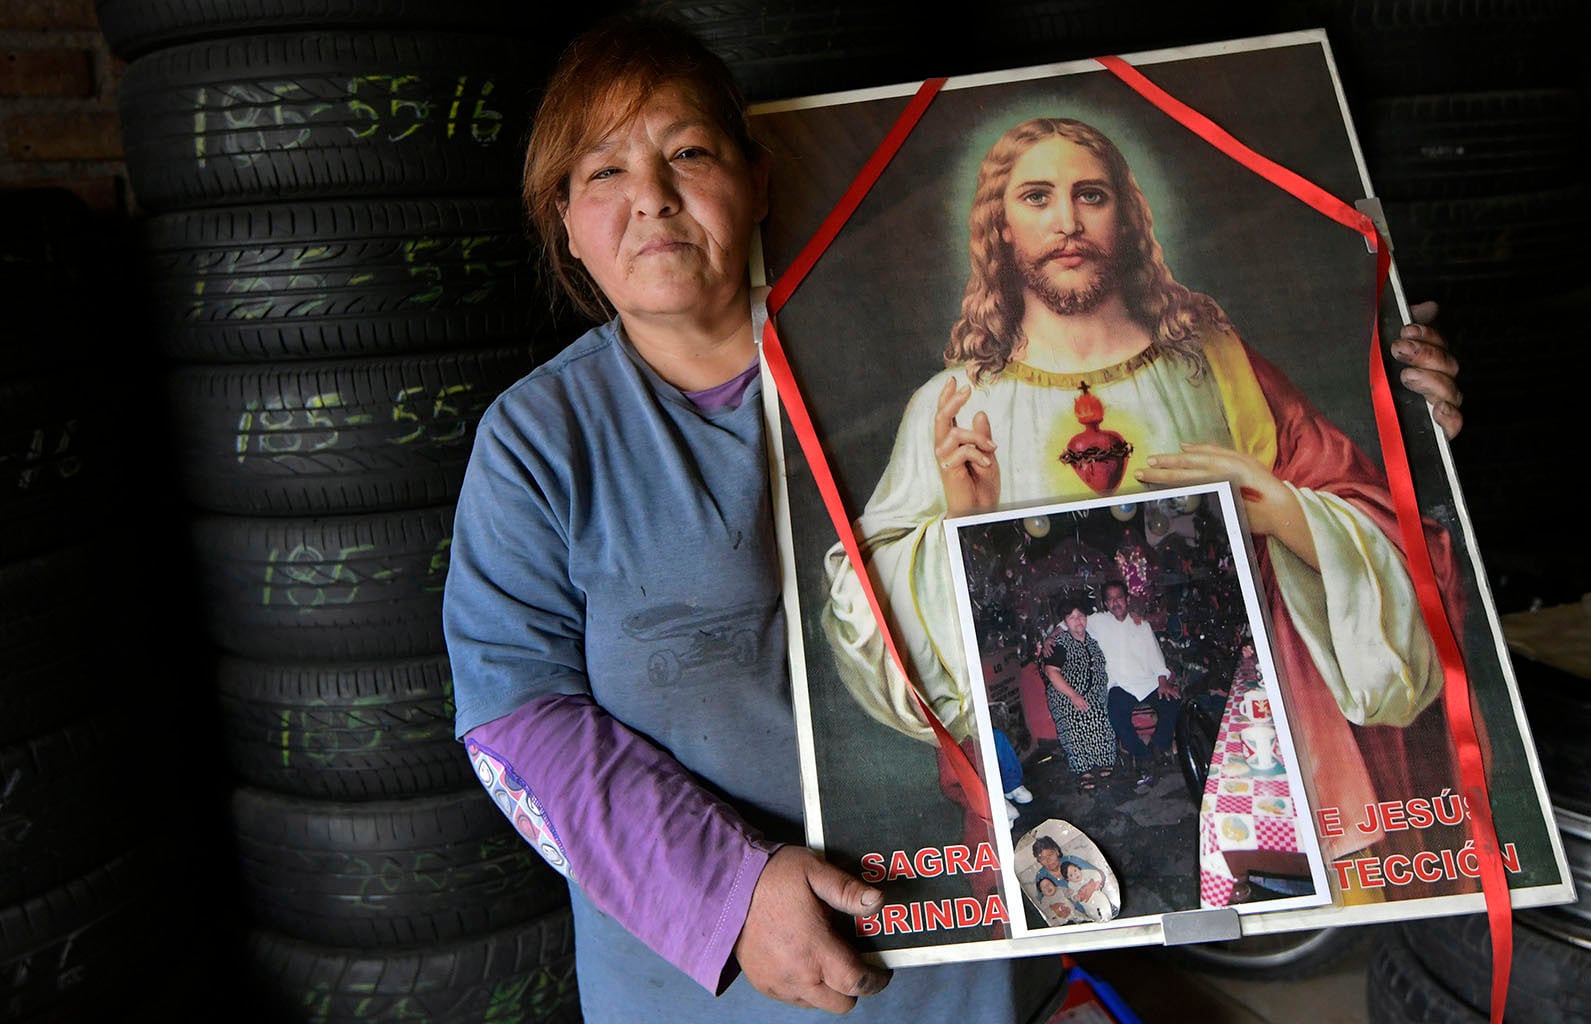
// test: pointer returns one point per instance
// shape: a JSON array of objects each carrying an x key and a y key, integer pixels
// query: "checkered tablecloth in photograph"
[{"x": 1244, "y": 808}]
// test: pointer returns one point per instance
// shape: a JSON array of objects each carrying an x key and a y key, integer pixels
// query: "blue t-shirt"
[{"x": 614, "y": 539}]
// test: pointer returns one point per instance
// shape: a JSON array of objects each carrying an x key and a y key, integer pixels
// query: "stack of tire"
[
  {"x": 1469, "y": 115},
  {"x": 339, "y": 282},
  {"x": 779, "y": 49},
  {"x": 94, "y": 829}
]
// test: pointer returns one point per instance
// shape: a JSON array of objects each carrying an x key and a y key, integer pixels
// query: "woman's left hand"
[{"x": 1432, "y": 370}]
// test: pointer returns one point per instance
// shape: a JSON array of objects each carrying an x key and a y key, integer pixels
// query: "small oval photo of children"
[{"x": 1065, "y": 876}]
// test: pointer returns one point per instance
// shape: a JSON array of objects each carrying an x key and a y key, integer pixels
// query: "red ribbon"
[
  {"x": 1456, "y": 693},
  {"x": 806, "y": 433}
]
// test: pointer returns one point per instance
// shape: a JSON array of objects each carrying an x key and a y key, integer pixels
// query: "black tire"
[
  {"x": 997, "y": 37},
  {"x": 1397, "y": 47},
  {"x": 1289, "y": 955},
  {"x": 48, "y": 245},
  {"x": 1470, "y": 144},
  {"x": 389, "y": 873},
  {"x": 522, "y": 973},
  {"x": 1522, "y": 245},
  {"x": 336, "y": 436},
  {"x": 1399, "y": 990},
  {"x": 1196, "y": 732},
  {"x": 76, "y": 952},
  {"x": 374, "y": 730},
  {"x": 53, "y": 463},
  {"x": 787, "y": 48},
  {"x": 307, "y": 115},
  {"x": 327, "y": 588},
  {"x": 134, "y": 27},
  {"x": 1546, "y": 981},
  {"x": 366, "y": 277},
  {"x": 48, "y": 676},
  {"x": 1575, "y": 830},
  {"x": 57, "y": 819}
]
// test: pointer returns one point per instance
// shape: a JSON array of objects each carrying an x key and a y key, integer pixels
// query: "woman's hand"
[
  {"x": 789, "y": 950},
  {"x": 1431, "y": 368},
  {"x": 967, "y": 465},
  {"x": 1272, "y": 508}
]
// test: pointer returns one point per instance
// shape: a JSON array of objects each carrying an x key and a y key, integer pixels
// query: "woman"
[
  {"x": 623, "y": 482},
  {"x": 1076, "y": 684}
]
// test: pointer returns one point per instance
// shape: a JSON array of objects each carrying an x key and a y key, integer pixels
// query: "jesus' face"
[{"x": 1061, "y": 224}]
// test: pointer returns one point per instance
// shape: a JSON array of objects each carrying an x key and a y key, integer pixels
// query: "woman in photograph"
[{"x": 1075, "y": 684}]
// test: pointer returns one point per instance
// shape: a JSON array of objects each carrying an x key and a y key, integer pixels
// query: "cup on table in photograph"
[
  {"x": 1259, "y": 745},
  {"x": 1257, "y": 706}
]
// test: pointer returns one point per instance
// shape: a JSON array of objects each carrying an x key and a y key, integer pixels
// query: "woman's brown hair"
[{"x": 601, "y": 81}]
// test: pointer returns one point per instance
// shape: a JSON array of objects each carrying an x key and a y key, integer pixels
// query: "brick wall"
[{"x": 58, "y": 123}]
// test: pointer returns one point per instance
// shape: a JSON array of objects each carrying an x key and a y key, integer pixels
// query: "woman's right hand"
[
  {"x": 1077, "y": 701},
  {"x": 968, "y": 469},
  {"x": 789, "y": 948}
]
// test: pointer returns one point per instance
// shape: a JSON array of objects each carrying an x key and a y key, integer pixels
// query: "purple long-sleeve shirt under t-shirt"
[
  {"x": 622, "y": 802},
  {"x": 614, "y": 624}
]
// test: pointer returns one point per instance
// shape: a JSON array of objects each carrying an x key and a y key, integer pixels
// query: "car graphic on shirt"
[{"x": 689, "y": 636}]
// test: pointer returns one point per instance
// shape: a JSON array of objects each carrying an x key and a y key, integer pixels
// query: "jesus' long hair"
[{"x": 991, "y": 309}]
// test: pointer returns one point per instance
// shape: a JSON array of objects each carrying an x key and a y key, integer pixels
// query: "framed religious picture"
[{"x": 1060, "y": 289}]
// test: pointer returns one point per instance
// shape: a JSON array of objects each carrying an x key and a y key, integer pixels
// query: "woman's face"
[
  {"x": 661, "y": 212},
  {"x": 1076, "y": 623}
]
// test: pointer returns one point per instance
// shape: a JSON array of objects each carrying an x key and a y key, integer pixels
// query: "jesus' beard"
[{"x": 1072, "y": 301}]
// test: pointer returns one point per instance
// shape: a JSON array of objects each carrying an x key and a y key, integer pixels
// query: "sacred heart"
[{"x": 1098, "y": 457}]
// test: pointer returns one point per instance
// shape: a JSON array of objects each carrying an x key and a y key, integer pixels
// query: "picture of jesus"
[{"x": 1080, "y": 367}]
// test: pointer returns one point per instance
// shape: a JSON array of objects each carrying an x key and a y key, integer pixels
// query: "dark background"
[{"x": 1482, "y": 180}]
